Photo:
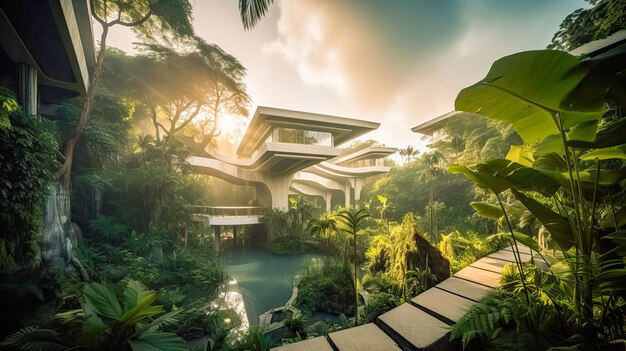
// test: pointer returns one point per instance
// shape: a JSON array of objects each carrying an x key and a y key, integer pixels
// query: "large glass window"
[
  {"x": 301, "y": 136},
  {"x": 368, "y": 162}
]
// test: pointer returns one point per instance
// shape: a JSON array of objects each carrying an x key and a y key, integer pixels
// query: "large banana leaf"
[
  {"x": 143, "y": 310},
  {"x": 558, "y": 226},
  {"x": 486, "y": 210},
  {"x": 611, "y": 134},
  {"x": 528, "y": 89},
  {"x": 102, "y": 300},
  {"x": 616, "y": 152}
]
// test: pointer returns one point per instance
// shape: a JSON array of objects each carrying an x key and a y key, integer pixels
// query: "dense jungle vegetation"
[{"x": 548, "y": 173}]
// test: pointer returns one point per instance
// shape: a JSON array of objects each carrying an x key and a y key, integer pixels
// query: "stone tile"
[
  {"x": 509, "y": 256},
  {"x": 465, "y": 288},
  {"x": 364, "y": 337},
  {"x": 443, "y": 304},
  {"x": 315, "y": 344},
  {"x": 522, "y": 248},
  {"x": 490, "y": 264},
  {"x": 414, "y": 329},
  {"x": 479, "y": 276}
]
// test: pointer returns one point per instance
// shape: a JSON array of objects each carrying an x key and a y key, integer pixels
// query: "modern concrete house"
[{"x": 287, "y": 152}]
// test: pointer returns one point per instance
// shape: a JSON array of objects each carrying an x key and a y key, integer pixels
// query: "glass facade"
[{"x": 301, "y": 136}]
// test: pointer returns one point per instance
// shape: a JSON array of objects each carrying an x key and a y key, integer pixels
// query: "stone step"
[
  {"x": 414, "y": 329},
  {"x": 522, "y": 248},
  {"x": 444, "y": 305},
  {"x": 465, "y": 288},
  {"x": 315, "y": 344},
  {"x": 509, "y": 256},
  {"x": 365, "y": 337},
  {"x": 479, "y": 276},
  {"x": 490, "y": 264}
]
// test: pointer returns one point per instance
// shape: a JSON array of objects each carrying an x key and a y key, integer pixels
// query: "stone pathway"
[{"x": 424, "y": 322}]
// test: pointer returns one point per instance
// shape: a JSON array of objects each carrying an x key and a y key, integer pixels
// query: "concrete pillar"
[
  {"x": 347, "y": 194},
  {"x": 235, "y": 237},
  {"x": 27, "y": 88},
  {"x": 278, "y": 186},
  {"x": 358, "y": 186},
  {"x": 328, "y": 196},
  {"x": 217, "y": 237}
]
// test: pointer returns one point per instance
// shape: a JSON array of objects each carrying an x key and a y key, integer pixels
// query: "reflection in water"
[{"x": 263, "y": 279}]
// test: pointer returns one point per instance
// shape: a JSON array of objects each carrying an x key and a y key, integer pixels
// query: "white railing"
[{"x": 229, "y": 211}]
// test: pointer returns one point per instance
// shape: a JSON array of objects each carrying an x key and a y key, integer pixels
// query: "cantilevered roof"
[
  {"x": 266, "y": 118},
  {"x": 430, "y": 126},
  {"x": 56, "y": 38},
  {"x": 371, "y": 152}
]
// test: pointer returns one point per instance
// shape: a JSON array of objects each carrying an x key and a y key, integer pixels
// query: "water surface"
[{"x": 265, "y": 280}]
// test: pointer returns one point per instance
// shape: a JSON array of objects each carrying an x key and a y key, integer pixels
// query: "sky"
[{"x": 396, "y": 62}]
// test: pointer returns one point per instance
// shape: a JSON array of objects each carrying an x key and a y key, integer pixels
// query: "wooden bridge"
[{"x": 424, "y": 322}]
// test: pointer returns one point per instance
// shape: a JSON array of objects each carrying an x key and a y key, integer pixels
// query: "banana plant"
[{"x": 566, "y": 170}]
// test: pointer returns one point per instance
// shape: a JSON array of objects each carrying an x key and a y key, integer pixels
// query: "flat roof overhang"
[
  {"x": 266, "y": 118},
  {"x": 335, "y": 172},
  {"x": 56, "y": 38},
  {"x": 372, "y": 152}
]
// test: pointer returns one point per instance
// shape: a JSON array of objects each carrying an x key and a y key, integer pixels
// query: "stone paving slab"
[
  {"x": 522, "y": 248},
  {"x": 315, "y": 344},
  {"x": 465, "y": 288},
  {"x": 443, "y": 304},
  {"x": 490, "y": 264},
  {"x": 414, "y": 329},
  {"x": 509, "y": 256},
  {"x": 479, "y": 276},
  {"x": 365, "y": 337}
]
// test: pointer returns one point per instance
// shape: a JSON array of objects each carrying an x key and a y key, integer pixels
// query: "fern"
[
  {"x": 487, "y": 318},
  {"x": 33, "y": 339}
]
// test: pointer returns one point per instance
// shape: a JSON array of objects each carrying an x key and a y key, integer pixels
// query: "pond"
[{"x": 265, "y": 280}]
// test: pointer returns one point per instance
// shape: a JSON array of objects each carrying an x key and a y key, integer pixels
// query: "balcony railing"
[{"x": 229, "y": 211}]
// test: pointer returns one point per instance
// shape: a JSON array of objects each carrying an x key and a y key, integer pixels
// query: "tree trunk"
[{"x": 64, "y": 174}]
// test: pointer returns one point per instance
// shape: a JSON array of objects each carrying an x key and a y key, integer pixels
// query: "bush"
[
  {"x": 328, "y": 287},
  {"x": 379, "y": 304},
  {"x": 27, "y": 166}
]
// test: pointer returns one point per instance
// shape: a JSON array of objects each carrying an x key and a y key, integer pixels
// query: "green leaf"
[
  {"x": 142, "y": 310},
  {"x": 519, "y": 176},
  {"x": 133, "y": 293},
  {"x": 158, "y": 342},
  {"x": 620, "y": 217},
  {"x": 585, "y": 131},
  {"x": 550, "y": 144},
  {"x": 102, "y": 300},
  {"x": 617, "y": 152},
  {"x": 486, "y": 210},
  {"x": 167, "y": 318},
  {"x": 557, "y": 225},
  {"x": 523, "y": 239},
  {"x": 482, "y": 180},
  {"x": 521, "y": 154},
  {"x": 528, "y": 89},
  {"x": 611, "y": 134}
]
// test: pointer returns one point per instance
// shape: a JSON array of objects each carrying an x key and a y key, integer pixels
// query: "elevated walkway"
[
  {"x": 228, "y": 215},
  {"x": 424, "y": 322}
]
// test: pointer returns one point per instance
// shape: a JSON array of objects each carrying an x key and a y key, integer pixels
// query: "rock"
[
  {"x": 55, "y": 244},
  {"x": 439, "y": 265}
]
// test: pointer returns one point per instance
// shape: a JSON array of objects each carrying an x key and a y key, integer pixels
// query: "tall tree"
[
  {"x": 434, "y": 168},
  {"x": 322, "y": 227},
  {"x": 150, "y": 19},
  {"x": 584, "y": 25},
  {"x": 252, "y": 11},
  {"x": 353, "y": 219},
  {"x": 408, "y": 154}
]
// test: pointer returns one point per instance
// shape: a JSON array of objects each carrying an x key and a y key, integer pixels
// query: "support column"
[
  {"x": 328, "y": 196},
  {"x": 217, "y": 238},
  {"x": 358, "y": 186},
  {"x": 347, "y": 194},
  {"x": 235, "y": 237},
  {"x": 27, "y": 88}
]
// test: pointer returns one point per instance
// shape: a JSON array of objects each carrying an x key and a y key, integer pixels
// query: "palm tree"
[
  {"x": 322, "y": 227},
  {"x": 408, "y": 154},
  {"x": 433, "y": 161},
  {"x": 353, "y": 219},
  {"x": 252, "y": 11}
]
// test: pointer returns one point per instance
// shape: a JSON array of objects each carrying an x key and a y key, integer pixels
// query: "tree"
[
  {"x": 252, "y": 11},
  {"x": 353, "y": 219},
  {"x": 322, "y": 227},
  {"x": 433, "y": 169},
  {"x": 408, "y": 154},
  {"x": 584, "y": 25},
  {"x": 169, "y": 19}
]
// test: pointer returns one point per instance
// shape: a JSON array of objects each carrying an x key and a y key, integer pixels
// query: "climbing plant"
[{"x": 27, "y": 165}]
